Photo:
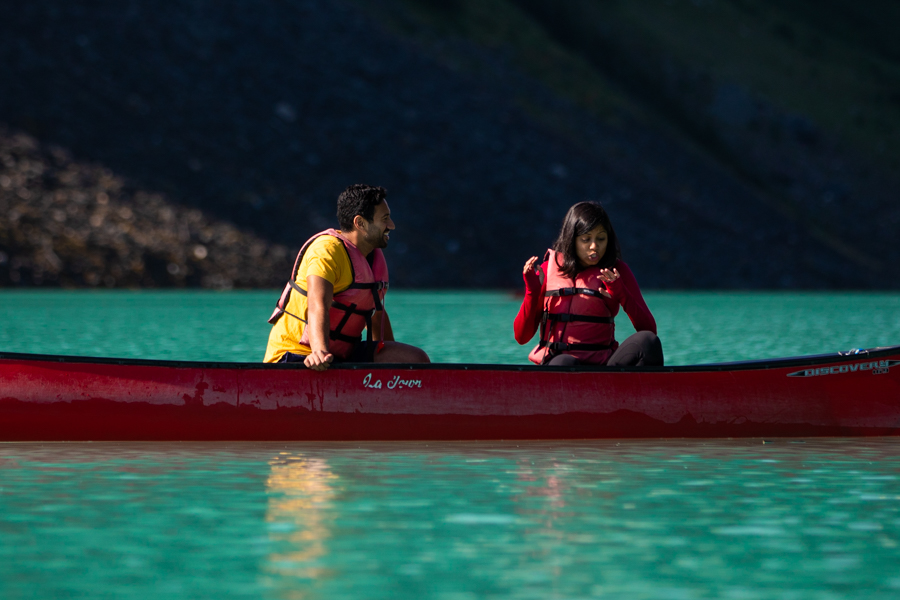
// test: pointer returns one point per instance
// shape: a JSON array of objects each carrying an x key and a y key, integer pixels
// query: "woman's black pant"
[{"x": 643, "y": 349}]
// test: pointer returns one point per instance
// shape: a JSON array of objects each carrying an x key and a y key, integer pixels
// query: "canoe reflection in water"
[{"x": 300, "y": 489}]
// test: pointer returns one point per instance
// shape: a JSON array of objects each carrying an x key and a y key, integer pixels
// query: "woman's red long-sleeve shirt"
[{"x": 625, "y": 292}]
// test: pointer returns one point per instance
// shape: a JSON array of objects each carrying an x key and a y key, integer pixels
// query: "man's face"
[{"x": 378, "y": 230}]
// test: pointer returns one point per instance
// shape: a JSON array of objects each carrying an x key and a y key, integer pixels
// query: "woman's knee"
[
  {"x": 643, "y": 349},
  {"x": 652, "y": 350},
  {"x": 563, "y": 360}
]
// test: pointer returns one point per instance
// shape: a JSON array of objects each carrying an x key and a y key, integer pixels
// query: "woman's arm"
[
  {"x": 529, "y": 317},
  {"x": 626, "y": 291}
]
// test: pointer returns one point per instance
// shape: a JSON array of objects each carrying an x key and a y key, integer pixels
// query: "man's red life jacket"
[
  {"x": 576, "y": 319},
  {"x": 352, "y": 309}
]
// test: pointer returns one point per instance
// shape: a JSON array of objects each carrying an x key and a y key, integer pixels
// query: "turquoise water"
[
  {"x": 697, "y": 327},
  {"x": 790, "y": 519}
]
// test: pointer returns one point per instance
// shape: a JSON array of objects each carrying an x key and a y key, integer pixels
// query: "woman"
[{"x": 575, "y": 294}]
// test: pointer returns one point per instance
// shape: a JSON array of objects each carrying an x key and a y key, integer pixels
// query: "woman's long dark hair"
[{"x": 582, "y": 218}]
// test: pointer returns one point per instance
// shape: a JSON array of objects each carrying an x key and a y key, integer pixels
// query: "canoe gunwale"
[{"x": 759, "y": 364}]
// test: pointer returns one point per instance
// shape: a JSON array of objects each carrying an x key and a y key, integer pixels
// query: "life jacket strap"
[
  {"x": 344, "y": 338},
  {"x": 351, "y": 310},
  {"x": 293, "y": 315},
  {"x": 335, "y": 333},
  {"x": 562, "y": 347},
  {"x": 376, "y": 285},
  {"x": 571, "y": 291},
  {"x": 348, "y": 312},
  {"x": 281, "y": 305},
  {"x": 568, "y": 318},
  {"x": 280, "y": 311}
]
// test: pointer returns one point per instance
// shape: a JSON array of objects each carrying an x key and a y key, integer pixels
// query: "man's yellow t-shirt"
[{"x": 327, "y": 258}]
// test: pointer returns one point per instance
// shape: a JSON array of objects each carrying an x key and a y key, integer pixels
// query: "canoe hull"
[{"x": 59, "y": 398}]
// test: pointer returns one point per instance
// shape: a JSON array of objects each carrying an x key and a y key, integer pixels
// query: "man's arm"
[
  {"x": 318, "y": 296},
  {"x": 376, "y": 327}
]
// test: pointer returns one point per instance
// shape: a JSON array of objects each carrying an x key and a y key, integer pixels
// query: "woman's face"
[{"x": 591, "y": 246}]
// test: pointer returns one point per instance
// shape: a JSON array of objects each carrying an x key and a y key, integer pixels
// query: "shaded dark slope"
[
  {"x": 259, "y": 114},
  {"x": 829, "y": 178},
  {"x": 870, "y": 25}
]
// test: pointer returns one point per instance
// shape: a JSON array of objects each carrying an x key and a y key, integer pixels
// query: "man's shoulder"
[
  {"x": 326, "y": 245},
  {"x": 326, "y": 257}
]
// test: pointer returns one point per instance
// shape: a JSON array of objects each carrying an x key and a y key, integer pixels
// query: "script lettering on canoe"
[
  {"x": 393, "y": 383},
  {"x": 877, "y": 367}
]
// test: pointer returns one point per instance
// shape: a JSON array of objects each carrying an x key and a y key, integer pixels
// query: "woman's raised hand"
[
  {"x": 609, "y": 276},
  {"x": 529, "y": 265}
]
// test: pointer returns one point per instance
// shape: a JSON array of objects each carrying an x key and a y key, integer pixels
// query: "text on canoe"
[{"x": 393, "y": 383}]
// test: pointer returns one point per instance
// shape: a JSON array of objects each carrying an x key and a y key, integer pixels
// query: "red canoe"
[{"x": 76, "y": 398}]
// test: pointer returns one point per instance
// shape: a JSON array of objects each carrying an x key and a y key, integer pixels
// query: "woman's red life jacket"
[
  {"x": 352, "y": 309},
  {"x": 576, "y": 318}
]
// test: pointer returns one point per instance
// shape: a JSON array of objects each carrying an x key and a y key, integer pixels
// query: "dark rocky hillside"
[
  {"x": 75, "y": 224},
  {"x": 163, "y": 143}
]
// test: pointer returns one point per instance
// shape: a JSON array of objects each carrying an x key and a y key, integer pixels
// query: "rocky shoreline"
[{"x": 74, "y": 224}]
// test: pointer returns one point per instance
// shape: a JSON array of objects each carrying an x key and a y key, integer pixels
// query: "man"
[{"x": 337, "y": 290}]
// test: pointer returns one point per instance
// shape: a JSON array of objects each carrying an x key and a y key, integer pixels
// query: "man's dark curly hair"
[{"x": 358, "y": 199}]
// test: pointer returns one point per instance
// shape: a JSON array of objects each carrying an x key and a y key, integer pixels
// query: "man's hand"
[{"x": 319, "y": 360}]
